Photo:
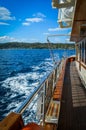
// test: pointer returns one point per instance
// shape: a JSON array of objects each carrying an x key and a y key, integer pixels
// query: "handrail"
[
  {"x": 43, "y": 93},
  {"x": 33, "y": 94}
]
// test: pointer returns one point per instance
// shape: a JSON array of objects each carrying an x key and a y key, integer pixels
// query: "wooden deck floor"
[{"x": 73, "y": 105}]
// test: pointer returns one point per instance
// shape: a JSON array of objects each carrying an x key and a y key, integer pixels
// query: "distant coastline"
[{"x": 20, "y": 45}]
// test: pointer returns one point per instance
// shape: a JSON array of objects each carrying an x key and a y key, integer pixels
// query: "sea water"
[{"x": 21, "y": 71}]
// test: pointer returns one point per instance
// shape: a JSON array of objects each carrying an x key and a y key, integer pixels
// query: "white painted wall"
[{"x": 82, "y": 73}]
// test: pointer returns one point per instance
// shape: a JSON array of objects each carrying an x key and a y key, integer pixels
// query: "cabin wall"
[
  {"x": 82, "y": 72},
  {"x": 81, "y": 59}
]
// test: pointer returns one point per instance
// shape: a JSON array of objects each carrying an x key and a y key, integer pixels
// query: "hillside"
[{"x": 35, "y": 45}]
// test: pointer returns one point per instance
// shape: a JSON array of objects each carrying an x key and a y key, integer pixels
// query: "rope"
[{"x": 51, "y": 51}]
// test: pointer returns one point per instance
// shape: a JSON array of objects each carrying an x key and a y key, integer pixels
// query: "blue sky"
[{"x": 29, "y": 21}]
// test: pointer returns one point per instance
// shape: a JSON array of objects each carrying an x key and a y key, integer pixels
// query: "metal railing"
[{"x": 35, "y": 106}]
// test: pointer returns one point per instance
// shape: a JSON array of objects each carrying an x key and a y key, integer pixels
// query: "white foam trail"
[
  {"x": 23, "y": 84},
  {"x": 48, "y": 59},
  {"x": 35, "y": 68},
  {"x": 20, "y": 83}
]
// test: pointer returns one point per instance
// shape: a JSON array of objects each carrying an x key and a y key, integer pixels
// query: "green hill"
[{"x": 35, "y": 45}]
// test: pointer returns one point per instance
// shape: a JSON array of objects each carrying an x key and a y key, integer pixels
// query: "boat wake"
[
  {"x": 18, "y": 87},
  {"x": 20, "y": 73}
]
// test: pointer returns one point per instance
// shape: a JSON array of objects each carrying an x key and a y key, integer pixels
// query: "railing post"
[
  {"x": 53, "y": 78},
  {"x": 57, "y": 69},
  {"x": 43, "y": 103}
]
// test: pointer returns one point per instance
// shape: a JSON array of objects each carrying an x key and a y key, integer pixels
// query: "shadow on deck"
[{"x": 73, "y": 105}]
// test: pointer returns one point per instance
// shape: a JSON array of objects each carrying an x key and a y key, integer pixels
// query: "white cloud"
[
  {"x": 26, "y": 24},
  {"x": 28, "y": 21},
  {"x": 39, "y": 14},
  {"x": 4, "y": 39},
  {"x": 38, "y": 17},
  {"x": 34, "y": 20},
  {"x": 57, "y": 40},
  {"x": 54, "y": 29},
  {"x": 67, "y": 39},
  {"x": 5, "y": 14},
  {"x": 3, "y": 23}
]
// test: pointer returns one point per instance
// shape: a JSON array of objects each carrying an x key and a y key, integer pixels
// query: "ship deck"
[{"x": 73, "y": 103}]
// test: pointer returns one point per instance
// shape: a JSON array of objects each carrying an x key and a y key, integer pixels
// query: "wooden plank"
[
  {"x": 49, "y": 126},
  {"x": 73, "y": 106},
  {"x": 52, "y": 114},
  {"x": 12, "y": 122},
  {"x": 59, "y": 86}
]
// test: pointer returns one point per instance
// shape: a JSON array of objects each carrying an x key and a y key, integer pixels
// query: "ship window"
[
  {"x": 82, "y": 51},
  {"x": 79, "y": 52}
]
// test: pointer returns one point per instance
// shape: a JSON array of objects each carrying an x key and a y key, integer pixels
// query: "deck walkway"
[{"x": 73, "y": 105}]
